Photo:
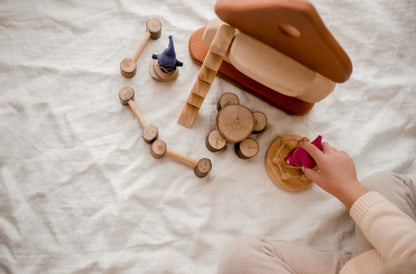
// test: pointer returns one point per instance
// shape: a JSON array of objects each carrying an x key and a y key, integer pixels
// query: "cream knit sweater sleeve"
[{"x": 389, "y": 230}]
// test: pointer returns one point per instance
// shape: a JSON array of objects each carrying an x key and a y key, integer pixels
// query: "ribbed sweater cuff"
[{"x": 364, "y": 203}]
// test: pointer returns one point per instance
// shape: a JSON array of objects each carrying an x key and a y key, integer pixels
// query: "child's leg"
[
  {"x": 262, "y": 255},
  {"x": 395, "y": 188}
]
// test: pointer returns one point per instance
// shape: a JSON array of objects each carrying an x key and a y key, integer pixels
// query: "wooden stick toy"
[
  {"x": 150, "y": 132},
  {"x": 201, "y": 167},
  {"x": 129, "y": 65}
]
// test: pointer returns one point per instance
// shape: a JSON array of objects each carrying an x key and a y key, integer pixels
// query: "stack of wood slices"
[{"x": 235, "y": 124}]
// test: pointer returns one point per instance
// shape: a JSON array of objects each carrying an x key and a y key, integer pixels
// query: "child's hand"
[{"x": 336, "y": 173}]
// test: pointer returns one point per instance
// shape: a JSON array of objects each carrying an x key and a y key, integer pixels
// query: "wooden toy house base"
[{"x": 198, "y": 51}]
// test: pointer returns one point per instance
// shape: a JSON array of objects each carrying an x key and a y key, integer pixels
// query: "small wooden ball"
[
  {"x": 227, "y": 98},
  {"x": 154, "y": 26},
  {"x": 215, "y": 142},
  {"x": 235, "y": 123},
  {"x": 126, "y": 94},
  {"x": 150, "y": 134},
  {"x": 128, "y": 67},
  {"x": 159, "y": 149},
  {"x": 246, "y": 149},
  {"x": 203, "y": 167},
  {"x": 260, "y": 121}
]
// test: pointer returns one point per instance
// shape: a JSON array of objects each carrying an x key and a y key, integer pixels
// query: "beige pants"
[{"x": 261, "y": 255}]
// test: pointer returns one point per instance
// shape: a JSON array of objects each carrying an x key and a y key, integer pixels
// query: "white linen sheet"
[{"x": 79, "y": 190}]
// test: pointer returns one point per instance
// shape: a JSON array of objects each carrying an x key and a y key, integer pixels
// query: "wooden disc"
[
  {"x": 260, "y": 121},
  {"x": 159, "y": 149},
  {"x": 282, "y": 174},
  {"x": 215, "y": 142},
  {"x": 203, "y": 167},
  {"x": 126, "y": 94},
  {"x": 128, "y": 67},
  {"x": 154, "y": 27},
  {"x": 246, "y": 149},
  {"x": 235, "y": 123},
  {"x": 227, "y": 98},
  {"x": 150, "y": 134},
  {"x": 159, "y": 75}
]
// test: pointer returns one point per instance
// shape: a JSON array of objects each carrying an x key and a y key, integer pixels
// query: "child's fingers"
[
  {"x": 313, "y": 151},
  {"x": 311, "y": 174}
]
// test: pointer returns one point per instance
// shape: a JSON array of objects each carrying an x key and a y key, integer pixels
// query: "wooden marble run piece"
[
  {"x": 201, "y": 168},
  {"x": 210, "y": 66},
  {"x": 215, "y": 142},
  {"x": 128, "y": 66},
  {"x": 150, "y": 132},
  {"x": 283, "y": 174},
  {"x": 235, "y": 123},
  {"x": 248, "y": 148}
]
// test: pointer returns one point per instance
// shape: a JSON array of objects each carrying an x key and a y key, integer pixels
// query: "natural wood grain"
[
  {"x": 282, "y": 174},
  {"x": 260, "y": 121},
  {"x": 235, "y": 123},
  {"x": 294, "y": 28},
  {"x": 227, "y": 98},
  {"x": 128, "y": 66},
  {"x": 158, "y": 149},
  {"x": 248, "y": 148},
  {"x": 203, "y": 167},
  {"x": 206, "y": 75},
  {"x": 215, "y": 142},
  {"x": 198, "y": 51}
]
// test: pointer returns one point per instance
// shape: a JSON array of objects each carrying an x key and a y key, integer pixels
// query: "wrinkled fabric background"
[{"x": 79, "y": 190}]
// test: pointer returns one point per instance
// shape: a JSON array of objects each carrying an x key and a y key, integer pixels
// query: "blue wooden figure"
[{"x": 163, "y": 66}]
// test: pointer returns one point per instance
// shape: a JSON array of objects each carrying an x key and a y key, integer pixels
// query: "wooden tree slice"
[
  {"x": 246, "y": 149},
  {"x": 203, "y": 167},
  {"x": 282, "y": 174},
  {"x": 235, "y": 123},
  {"x": 260, "y": 121},
  {"x": 215, "y": 142},
  {"x": 126, "y": 94},
  {"x": 159, "y": 149},
  {"x": 150, "y": 134},
  {"x": 128, "y": 67},
  {"x": 154, "y": 27},
  {"x": 227, "y": 98}
]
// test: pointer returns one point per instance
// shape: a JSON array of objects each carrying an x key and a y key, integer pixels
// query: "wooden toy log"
[
  {"x": 128, "y": 66},
  {"x": 227, "y": 98},
  {"x": 246, "y": 149},
  {"x": 215, "y": 142},
  {"x": 260, "y": 121},
  {"x": 150, "y": 132},
  {"x": 210, "y": 66},
  {"x": 201, "y": 168},
  {"x": 235, "y": 123}
]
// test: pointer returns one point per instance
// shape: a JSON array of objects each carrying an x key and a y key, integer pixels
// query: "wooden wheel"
[{"x": 282, "y": 174}]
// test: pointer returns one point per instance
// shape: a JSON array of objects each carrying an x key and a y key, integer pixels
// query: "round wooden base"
[
  {"x": 150, "y": 134},
  {"x": 159, "y": 75},
  {"x": 128, "y": 67},
  {"x": 282, "y": 174}
]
